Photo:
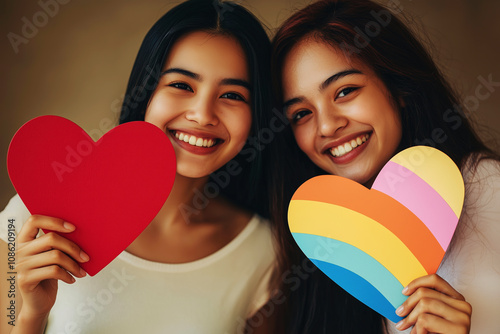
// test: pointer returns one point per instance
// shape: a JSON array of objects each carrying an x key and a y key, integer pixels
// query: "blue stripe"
[{"x": 335, "y": 255}]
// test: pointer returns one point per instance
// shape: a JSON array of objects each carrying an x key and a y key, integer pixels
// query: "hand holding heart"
[
  {"x": 110, "y": 189},
  {"x": 374, "y": 242},
  {"x": 91, "y": 198},
  {"x": 41, "y": 262},
  {"x": 434, "y": 306}
]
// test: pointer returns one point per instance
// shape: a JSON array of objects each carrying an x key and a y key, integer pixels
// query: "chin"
[
  {"x": 194, "y": 175},
  {"x": 361, "y": 179}
]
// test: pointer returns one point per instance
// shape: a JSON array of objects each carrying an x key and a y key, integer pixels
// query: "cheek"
[
  {"x": 397, "y": 132},
  {"x": 153, "y": 119},
  {"x": 366, "y": 111},
  {"x": 239, "y": 125},
  {"x": 393, "y": 127},
  {"x": 304, "y": 139},
  {"x": 161, "y": 110}
]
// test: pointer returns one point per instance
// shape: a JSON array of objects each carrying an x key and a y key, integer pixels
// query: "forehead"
[
  {"x": 311, "y": 61},
  {"x": 202, "y": 52}
]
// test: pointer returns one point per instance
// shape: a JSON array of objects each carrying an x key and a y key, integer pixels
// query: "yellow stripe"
[
  {"x": 438, "y": 170},
  {"x": 351, "y": 227}
]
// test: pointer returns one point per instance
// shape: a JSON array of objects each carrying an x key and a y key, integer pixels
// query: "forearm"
[{"x": 27, "y": 324}]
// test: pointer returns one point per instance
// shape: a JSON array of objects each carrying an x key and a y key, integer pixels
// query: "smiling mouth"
[
  {"x": 343, "y": 149},
  {"x": 195, "y": 141}
]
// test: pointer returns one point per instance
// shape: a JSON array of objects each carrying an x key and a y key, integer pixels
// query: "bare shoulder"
[
  {"x": 485, "y": 170},
  {"x": 474, "y": 261}
]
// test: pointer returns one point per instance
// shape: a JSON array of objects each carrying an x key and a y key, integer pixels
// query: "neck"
[{"x": 185, "y": 201}]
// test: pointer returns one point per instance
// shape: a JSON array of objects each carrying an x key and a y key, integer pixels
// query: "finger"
[
  {"x": 51, "y": 241},
  {"x": 53, "y": 257},
  {"x": 436, "y": 308},
  {"x": 30, "y": 279},
  {"x": 429, "y": 323},
  {"x": 34, "y": 223},
  {"x": 435, "y": 282},
  {"x": 429, "y": 294},
  {"x": 414, "y": 331}
]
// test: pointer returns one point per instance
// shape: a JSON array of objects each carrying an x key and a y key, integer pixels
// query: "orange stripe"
[{"x": 379, "y": 207}]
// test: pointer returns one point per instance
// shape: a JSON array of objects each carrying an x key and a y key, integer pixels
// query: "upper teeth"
[
  {"x": 349, "y": 146},
  {"x": 195, "y": 141}
]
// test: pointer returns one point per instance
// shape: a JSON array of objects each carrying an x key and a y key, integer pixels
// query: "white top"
[
  {"x": 215, "y": 294},
  {"x": 472, "y": 263}
]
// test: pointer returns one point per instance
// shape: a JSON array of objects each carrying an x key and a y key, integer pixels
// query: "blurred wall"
[{"x": 77, "y": 62}]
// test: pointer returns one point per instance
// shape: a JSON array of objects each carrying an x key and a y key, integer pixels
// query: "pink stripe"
[{"x": 420, "y": 198}]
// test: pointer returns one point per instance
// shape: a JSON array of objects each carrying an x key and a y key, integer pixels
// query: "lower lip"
[
  {"x": 199, "y": 150},
  {"x": 348, "y": 157}
]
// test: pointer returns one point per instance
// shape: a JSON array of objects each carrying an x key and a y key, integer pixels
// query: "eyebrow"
[
  {"x": 291, "y": 102},
  {"x": 323, "y": 85},
  {"x": 197, "y": 77},
  {"x": 183, "y": 72},
  {"x": 337, "y": 76},
  {"x": 236, "y": 82}
]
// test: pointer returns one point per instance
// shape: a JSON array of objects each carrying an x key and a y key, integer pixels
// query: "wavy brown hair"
[{"x": 373, "y": 35}]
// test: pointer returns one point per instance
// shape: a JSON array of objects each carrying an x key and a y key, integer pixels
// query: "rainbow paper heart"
[{"x": 374, "y": 242}]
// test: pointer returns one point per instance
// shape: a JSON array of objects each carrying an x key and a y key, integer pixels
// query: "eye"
[
  {"x": 298, "y": 115},
  {"x": 181, "y": 85},
  {"x": 346, "y": 91},
  {"x": 233, "y": 96}
]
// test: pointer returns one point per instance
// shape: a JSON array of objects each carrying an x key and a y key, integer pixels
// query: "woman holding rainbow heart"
[
  {"x": 202, "y": 271},
  {"x": 354, "y": 103}
]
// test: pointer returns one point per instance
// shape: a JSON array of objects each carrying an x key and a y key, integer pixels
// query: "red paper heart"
[{"x": 110, "y": 189}]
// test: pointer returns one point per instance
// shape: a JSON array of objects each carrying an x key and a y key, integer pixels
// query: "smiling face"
[
  {"x": 202, "y": 102},
  {"x": 341, "y": 113}
]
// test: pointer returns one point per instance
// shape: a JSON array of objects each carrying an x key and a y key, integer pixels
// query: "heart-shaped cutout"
[
  {"x": 373, "y": 242},
  {"x": 110, "y": 189}
]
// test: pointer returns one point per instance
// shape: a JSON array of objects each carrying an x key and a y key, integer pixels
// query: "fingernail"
[
  {"x": 399, "y": 324},
  {"x": 405, "y": 290},
  {"x": 69, "y": 226},
  {"x": 84, "y": 256},
  {"x": 82, "y": 272},
  {"x": 400, "y": 310},
  {"x": 72, "y": 279}
]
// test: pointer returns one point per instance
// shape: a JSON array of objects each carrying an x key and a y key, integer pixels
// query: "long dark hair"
[
  {"x": 432, "y": 115},
  {"x": 219, "y": 18}
]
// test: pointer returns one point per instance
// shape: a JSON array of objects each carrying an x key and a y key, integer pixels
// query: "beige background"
[{"x": 77, "y": 65}]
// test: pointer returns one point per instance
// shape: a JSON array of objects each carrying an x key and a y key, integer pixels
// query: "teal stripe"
[
  {"x": 353, "y": 259},
  {"x": 359, "y": 289}
]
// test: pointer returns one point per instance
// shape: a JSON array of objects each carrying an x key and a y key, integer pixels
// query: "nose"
[
  {"x": 330, "y": 121},
  {"x": 202, "y": 111}
]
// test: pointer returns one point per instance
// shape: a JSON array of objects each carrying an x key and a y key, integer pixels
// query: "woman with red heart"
[
  {"x": 203, "y": 265},
  {"x": 357, "y": 88}
]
